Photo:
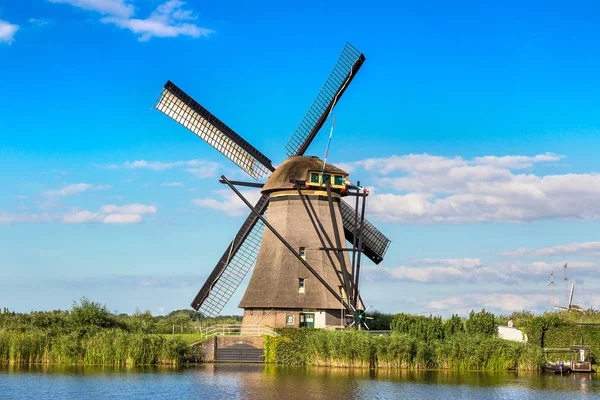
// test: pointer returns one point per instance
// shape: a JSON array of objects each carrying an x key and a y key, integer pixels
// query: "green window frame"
[
  {"x": 326, "y": 177},
  {"x": 314, "y": 177},
  {"x": 338, "y": 180}
]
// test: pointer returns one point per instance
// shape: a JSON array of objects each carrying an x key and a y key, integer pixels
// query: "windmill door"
[{"x": 309, "y": 320}]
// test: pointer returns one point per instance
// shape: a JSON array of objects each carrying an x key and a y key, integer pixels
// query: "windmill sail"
[
  {"x": 571, "y": 295},
  {"x": 345, "y": 69},
  {"x": 176, "y": 104},
  {"x": 375, "y": 243},
  {"x": 233, "y": 266}
]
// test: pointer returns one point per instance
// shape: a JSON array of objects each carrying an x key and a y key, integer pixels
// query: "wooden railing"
[{"x": 237, "y": 330}]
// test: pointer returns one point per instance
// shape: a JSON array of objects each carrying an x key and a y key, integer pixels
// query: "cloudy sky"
[{"x": 476, "y": 127}]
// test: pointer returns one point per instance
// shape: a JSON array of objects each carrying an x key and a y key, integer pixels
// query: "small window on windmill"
[
  {"x": 326, "y": 178},
  {"x": 289, "y": 319},
  {"x": 314, "y": 177},
  {"x": 338, "y": 180},
  {"x": 302, "y": 252},
  {"x": 300, "y": 285}
]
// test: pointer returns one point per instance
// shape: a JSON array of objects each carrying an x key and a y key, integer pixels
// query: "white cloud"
[
  {"x": 437, "y": 189},
  {"x": 169, "y": 19},
  {"x": 206, "y": 171},
  {"x": 466, "y": 263},
  {"x": 540, "y": 270},
  {"x": 108, "y": 214},
  {"x": 81, "y": 216},
  {"x": 122, "y": 219},
  {"x": 498, "y": 302},
  {"x": 117, "y": 8},
  {"x": 432, "y": 270},
  {"x": 197, "y": 167},
  {"x": 473, "y": 270},
  {"x": 429, "y": 163},
  {"x": 516, "y": 162},
  {"x": 135, "y": 208},
  {"x": 171, "y": 184},
  {"x": 154, "y": 165},
  {"x": 567, "y": 249},
  {"x": 8, "y": 218},
  {"x": 7, "y": 32},
  {"x": 230, "y": 203},
  {"x": 74, "y": 189}
]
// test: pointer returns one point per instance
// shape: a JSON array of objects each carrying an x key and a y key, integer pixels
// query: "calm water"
[{"x": 273, "y": 382}]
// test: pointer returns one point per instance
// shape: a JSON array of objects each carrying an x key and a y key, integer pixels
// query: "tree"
[
  {"x": 481, "y": 323},
  {"x": 453, "y": 325},
  {"x": 88, "y": 314}
]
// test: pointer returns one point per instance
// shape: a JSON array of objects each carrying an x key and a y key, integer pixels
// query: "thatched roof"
[{"x": 297, "y": 167}]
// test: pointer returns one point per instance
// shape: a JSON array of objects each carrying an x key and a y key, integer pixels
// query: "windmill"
[
  {"x": 552, "y": 302},
  {"x": 303, "y": 273},
  {"x": 571, "y": 306}
]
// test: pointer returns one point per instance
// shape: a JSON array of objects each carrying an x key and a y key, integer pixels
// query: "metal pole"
[
  {"x": 338, "y": 242},
  {"x": 285, "y": 243},
  {"x": 355, "y": 237},
  {"x": 360, "y": 245}
]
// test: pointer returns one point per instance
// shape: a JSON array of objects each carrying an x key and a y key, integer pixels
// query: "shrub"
[
  {"x": 481, "y": 323},
  {"x": 423, "y": 328}
]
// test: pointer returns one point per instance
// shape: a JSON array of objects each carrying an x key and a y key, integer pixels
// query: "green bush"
[
  {"x": 380, "y": 322},
  {"x": 423, "y": 328},
  {"x": 481, "y": 323},
  {"x": 453, "y": 325}
]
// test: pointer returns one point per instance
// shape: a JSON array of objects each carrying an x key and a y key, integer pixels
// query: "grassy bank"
[
  {"x": 360, "y": 349},
  {"x": 456, "y": 343},
  {"x": 89, "y": 334},
  {"x": 106, "y": 347}
]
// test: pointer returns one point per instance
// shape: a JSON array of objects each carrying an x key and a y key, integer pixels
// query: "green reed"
[
  {"x": 108, "y": 347},
  {"x": 360, "y": 349}
]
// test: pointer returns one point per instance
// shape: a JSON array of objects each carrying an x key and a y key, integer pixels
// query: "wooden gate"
[{"x": 240, "y": 352}]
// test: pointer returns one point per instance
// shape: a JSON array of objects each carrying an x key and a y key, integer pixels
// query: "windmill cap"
[{"x": 297, "y": 167}]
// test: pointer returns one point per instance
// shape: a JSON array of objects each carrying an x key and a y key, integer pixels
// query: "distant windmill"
[
  {"x": 303, "y": 274},
  {"x": 571, "y": 306},
  {"x": 552, "y": 300},
  {"x": 566, "y": 282}
]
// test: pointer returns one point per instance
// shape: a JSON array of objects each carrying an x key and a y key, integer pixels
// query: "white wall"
[
  {"x": 320, "y": 319},
  {"x": 511, "y": 334}
]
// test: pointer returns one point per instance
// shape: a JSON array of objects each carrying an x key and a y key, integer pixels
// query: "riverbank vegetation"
[
  {"x": 420, "y": 342},
  {"x": 90, "y": 334}
]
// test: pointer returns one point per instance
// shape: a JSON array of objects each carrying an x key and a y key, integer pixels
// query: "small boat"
[
  {"x": 580, "y": 360},
  {"x": 557, "y": 368}
]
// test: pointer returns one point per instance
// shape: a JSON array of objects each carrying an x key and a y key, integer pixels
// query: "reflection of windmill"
[
  {"x": 571, "y": 306},
  {"x": 303, "y": 274}
]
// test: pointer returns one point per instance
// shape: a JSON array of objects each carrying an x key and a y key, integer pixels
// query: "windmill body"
[
  {"x": 281, "y": 291},
  {"x": 297, "y": 233}
]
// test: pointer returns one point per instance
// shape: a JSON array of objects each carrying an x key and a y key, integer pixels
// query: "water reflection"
[{"x": 239, "y": 381}]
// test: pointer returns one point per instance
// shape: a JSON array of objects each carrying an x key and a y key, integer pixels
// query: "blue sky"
[{"x": 475, "y": 125}]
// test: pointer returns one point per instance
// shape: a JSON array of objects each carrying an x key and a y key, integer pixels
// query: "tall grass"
[
  {"x": 109, "y": 347},
  {"x": 359, "y": 349},
  {"x": 464, "y": 352},
  {"x": 341, "y": 349}
]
